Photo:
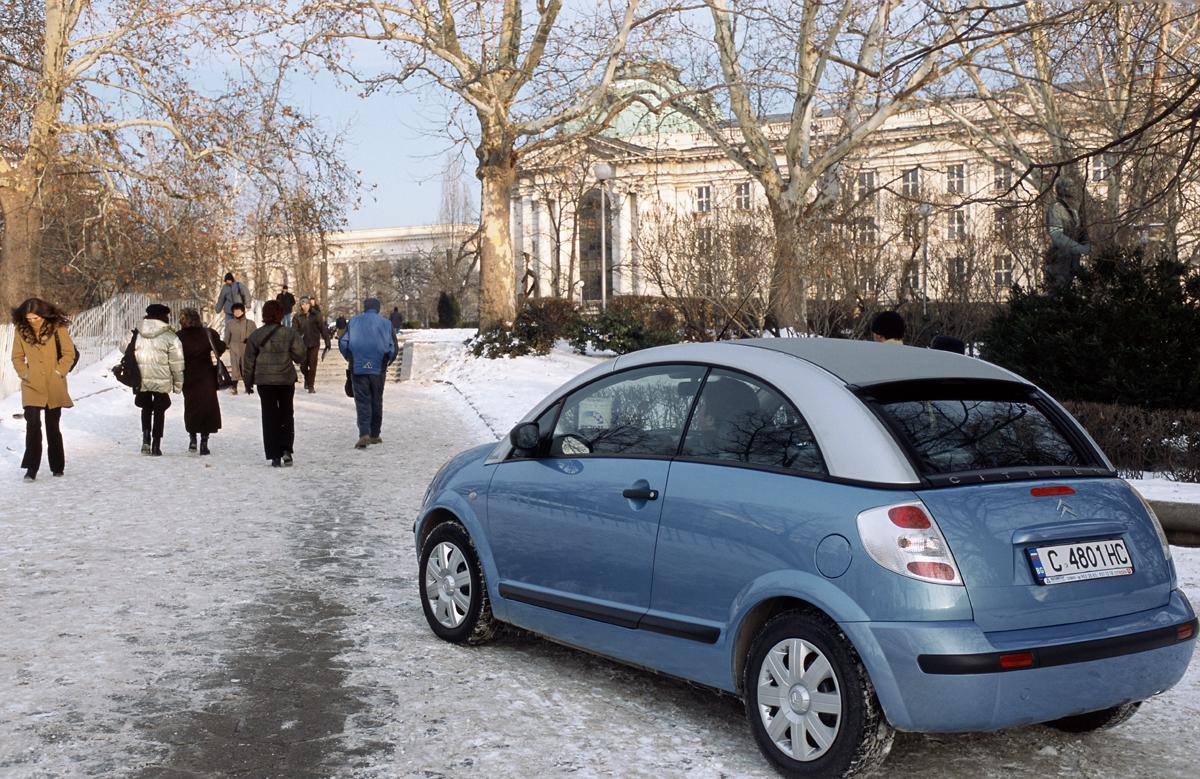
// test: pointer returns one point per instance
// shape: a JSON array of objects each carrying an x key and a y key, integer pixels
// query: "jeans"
[
  {"x": 368, "y": 403},
  {"x": 287, "y": 320},
  {"x": 33, "y": 439},
  {"x": 278, "y": 418}
]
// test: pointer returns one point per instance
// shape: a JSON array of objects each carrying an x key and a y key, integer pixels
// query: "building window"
[
  {"x": 741, "y": 196},
  {"x": 1100, "y": 167},
  {"x": 956, "y": 178},
  {"x": 958, "y": 272},
  {"x": 704, "y": 239},
  {"x": 910, "y": 182},
  {"x": 866, "y": 231},
  {"x": 1002, "y": 270},
  {"x": 1003, "y": 219},
  {"x": 1002, "y": 177},
  {"x": 703, "y": 199},
  {"x": 956, "y": 225},
  {"x": 914, "y": 280},
  {"x": 866, "y": 185}
]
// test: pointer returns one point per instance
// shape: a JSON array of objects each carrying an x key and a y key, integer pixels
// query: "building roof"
[{"x": 864, "y": 363}]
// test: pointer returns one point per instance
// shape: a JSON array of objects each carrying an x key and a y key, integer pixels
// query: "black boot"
[
  {"x": 155, "y": 449},
  {"x": 204, "y": 443},
  {"x": 145, "y": 442},
  {"x": 192, "y": 442}
]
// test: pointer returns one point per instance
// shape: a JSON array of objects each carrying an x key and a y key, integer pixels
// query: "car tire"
[
  {"x": 1096, "y": 720},
  {"x": 454, "y": 593},
  {"x": 828, "y": 703}
]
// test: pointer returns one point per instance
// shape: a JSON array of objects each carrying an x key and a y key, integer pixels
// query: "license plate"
[{"x": 1080, "y": 562}]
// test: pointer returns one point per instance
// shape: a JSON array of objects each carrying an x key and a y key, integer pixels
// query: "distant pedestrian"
[
  {"x": 397, "y": 319},
  {"x": 369, "y": 345},
  {"x": 271, "y": 353},
  {"x": 237, "y": 330},
  {"x": 948, "y": 343},
  {"x": 202, "y": 347},
  {"x": 888, "y": 327},
  {"x": 159, "y": 357},
  {"x": 312, "y": 329},
  {"x": 232, "y": 291},
  {"x": 42, "y": 355},
  {"x": 288, "y": 301},
  {"x": 339, "y": 326}
]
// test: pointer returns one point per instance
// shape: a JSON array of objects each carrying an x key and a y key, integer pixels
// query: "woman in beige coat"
[{"x": 42, "y": 355}]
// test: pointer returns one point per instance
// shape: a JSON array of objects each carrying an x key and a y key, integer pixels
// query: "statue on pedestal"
[{"x": 1068, "y": 235}]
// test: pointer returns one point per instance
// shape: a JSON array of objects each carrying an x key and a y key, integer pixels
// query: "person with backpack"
[
  {"x": 232, "y": 291},
  {"x": 159, "y": 356},
  {"x": 42, "y": 355},
  {"x": 202, "y": 347},
  {"x": 271, "y": 354},
  {"x": 369, "y": 345},
  {"x": 237, "y": 330}
]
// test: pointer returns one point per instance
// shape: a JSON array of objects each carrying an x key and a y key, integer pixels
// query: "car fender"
[{"x": 453, "y": 502}]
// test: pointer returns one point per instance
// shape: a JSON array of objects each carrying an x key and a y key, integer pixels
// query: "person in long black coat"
[{"x": 202, "y": 346}]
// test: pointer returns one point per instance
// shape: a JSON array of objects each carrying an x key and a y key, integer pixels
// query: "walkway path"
[{"x": 185, "y": 616}]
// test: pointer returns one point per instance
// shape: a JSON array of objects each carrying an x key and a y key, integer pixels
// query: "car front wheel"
[
  {"x": 811, "y": 705},
  {"x": 453, "y": 592}
]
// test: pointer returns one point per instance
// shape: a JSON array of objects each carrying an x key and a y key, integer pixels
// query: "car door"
[{"x": 574, "y": 529}]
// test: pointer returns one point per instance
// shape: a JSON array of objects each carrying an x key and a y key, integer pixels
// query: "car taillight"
[
  {"x": 1158, "y": 528},
  {"x": 905, "y": 539}
]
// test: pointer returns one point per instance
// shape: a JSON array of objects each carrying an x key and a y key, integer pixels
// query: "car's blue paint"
[{"x": 721, "y": 541}]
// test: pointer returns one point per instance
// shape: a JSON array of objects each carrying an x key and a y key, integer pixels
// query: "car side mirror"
[{"x": 525, "y": 436}]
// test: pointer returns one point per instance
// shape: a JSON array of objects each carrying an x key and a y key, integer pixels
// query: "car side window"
[
  {"x": 741, "y": 420},
  {"x": 637, "y": 412}
]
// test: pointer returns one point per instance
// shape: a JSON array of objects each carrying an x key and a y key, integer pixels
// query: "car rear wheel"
[
  {"x": 453, "y": 592},
  {"x": 1096, "y": 720},
  {"x": 811, "y": 705}
]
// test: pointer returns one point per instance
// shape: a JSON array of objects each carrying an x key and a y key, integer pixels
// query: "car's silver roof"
[{"x": 863, "y": 363}]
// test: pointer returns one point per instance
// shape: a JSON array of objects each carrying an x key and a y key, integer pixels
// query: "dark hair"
[
  {"x": 272, "y": 312},
  {"x": 889, "y": 324},
  {"x": 948, "y": 343},
  {"x": 52, "y": 314},
  {"x": 238, "y": 306},
  {"x": 189, "y": 317}
]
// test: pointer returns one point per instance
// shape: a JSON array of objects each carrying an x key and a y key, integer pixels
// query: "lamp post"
[
  {"x": 604, "y": 173},
  {"x": 925, "y": 209}
]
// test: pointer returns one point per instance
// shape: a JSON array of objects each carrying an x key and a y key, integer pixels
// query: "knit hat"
[
  {"x": 888, "y": 324},
  {"x": 229, "y": 277},
  {"x": 303, "y": 299},
  {"x": 371, "y": 304},
  {"x": 158, "y": 311}
]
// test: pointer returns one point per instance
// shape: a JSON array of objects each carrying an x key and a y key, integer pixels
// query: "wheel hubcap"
[
  {"x": 799, "y": 699},
  {"x": 448, "y": 585}
]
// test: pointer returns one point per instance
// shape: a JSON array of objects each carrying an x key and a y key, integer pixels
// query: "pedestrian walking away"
[
  {"x": 288, "y": 301},
  {"x": 42, "y": 355},
  {"x": 159, "y": 356},
  {"x": 888, "y": 327},
  {"x": 397, "y": 319},
  {"x": 339, "y": 326},
  {"x": 271, "y": 354},
  {"x": 232, "y": 291},
  {"x": 202, "y": 347},
  {"x": 369, "y": 345},
  {"x": 313, "y": 331},
  {"x": 237, "y": 330}
]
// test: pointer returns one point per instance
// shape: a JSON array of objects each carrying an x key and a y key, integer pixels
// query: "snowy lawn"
[{"x": 187, "y": 616}]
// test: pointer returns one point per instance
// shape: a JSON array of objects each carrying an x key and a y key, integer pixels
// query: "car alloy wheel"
[
  {"x": 799, "y": 699},
  {"x": 453, "y": 593}
]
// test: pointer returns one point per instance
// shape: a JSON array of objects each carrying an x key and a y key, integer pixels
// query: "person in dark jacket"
[
  {"x": 312, "y": 329},
  {"x": 271, "y": 353},
  {"x": 202, "y": 347},
  {"x": 396, "y": 318},
  {"x": 288, "y": 301},
  {"x": 42, "y": 355},
  {"x": 369, "y": 345}
]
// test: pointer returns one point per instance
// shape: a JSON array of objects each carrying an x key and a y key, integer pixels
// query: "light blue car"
[{"x": 853, "y": 537}]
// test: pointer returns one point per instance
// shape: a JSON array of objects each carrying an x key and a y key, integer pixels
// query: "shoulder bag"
[
  {"x": 58, "y": 350},
  {"x": 224, "y": 380},
  {"x": 127, "y": 371}
]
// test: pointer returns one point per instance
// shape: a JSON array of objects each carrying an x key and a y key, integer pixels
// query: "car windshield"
[{"x": 955, "y": 435}]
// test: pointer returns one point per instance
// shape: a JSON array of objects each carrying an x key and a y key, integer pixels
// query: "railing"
[{"x": 99, "y": 331}]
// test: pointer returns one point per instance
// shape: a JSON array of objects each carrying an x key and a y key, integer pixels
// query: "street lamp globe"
[{"x": 604, "y": 171}]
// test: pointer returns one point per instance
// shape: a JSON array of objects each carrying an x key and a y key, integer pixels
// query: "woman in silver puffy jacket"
[{"x": 159, "y": 357}]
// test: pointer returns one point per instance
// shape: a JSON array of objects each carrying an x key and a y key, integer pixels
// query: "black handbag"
[
  {"x": 58, "y": 349},
  {"x": 127, "y": 371},
  {"x": 224, "y": 380},
  {"x": 349, "y": 383}
]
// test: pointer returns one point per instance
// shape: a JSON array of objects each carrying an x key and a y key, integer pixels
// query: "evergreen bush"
[{"x": 449, "y": 311}]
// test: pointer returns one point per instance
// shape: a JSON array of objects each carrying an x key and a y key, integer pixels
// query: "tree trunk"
[
  {"x": 20, "y": 257},
  {"x": 497, "y": 290},
  {"x": 787, "y": 287}
]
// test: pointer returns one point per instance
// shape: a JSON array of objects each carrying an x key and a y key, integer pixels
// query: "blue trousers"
[{"x": 368, "y": 403}]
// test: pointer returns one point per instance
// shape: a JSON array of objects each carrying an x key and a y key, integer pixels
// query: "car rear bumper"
[{"x": 947, "y": 677}]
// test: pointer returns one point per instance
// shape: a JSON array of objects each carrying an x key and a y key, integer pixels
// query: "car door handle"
[{"x": 641, "y": 493}]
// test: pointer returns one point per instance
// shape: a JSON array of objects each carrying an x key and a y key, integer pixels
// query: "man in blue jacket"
[{"x": 369, "y": 345}]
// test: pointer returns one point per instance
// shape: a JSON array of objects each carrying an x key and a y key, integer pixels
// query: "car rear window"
[{"x": 978, "y": 433}]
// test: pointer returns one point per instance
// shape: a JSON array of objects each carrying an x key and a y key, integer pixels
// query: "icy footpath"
[{"x": 185, "y": 616}]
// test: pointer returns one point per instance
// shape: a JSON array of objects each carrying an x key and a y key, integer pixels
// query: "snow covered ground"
[{"x": 185, "y": 616}]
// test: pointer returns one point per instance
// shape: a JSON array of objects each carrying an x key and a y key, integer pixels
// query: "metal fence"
[{"x": 100, "y": 330}]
